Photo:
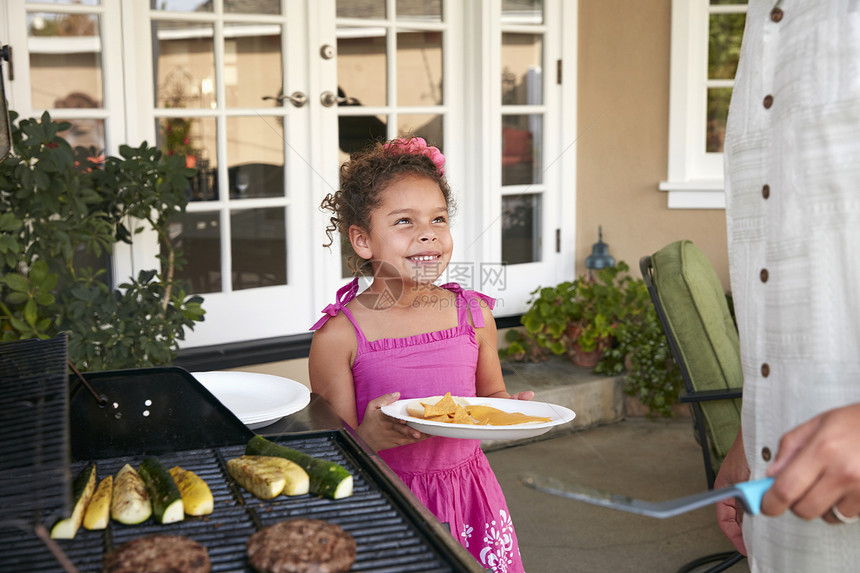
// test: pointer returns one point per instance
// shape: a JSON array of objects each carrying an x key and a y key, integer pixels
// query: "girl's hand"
[
  {"x": 382, "y": 432},
  {"x": 527, "y": 395}
]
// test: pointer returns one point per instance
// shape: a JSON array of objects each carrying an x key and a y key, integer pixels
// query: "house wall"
[{"x": 623, "y": 89}]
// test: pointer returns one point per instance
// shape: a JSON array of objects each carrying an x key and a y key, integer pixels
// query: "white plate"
[
  {"x": 256, "y": 399},
  {"x": 559, "y": 415}
]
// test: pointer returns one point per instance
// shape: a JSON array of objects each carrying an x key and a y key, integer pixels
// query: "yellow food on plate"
[{"x": 454, "y": 410}]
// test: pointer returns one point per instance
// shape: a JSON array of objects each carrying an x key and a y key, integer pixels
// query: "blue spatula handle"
[{"x": 751, "y": 493}]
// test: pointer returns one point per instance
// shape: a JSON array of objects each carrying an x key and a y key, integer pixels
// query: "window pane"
[
  {"x": 521, "y": 137},
  {"x": 419, "y": 68},
  {"x": 361, "y": 66},
  {"x": 718, "y": 111},
  {"x": 424, "y": 10},
  {"x": 255, "y": 152},
  {"x": 85, "y": 2},
  {"x": 256, "y": 7},
  {"x": 724, "y": 45},
  {"x": 182, "y": 5},
  {"x": 65, "y": 60},
  {"x": 85, "y": 133},
  {"x": 198, "y": 235},
  {"x": 522, "y": 55},
  {"x": 521, "y": 224},
  {"x": 184, "y": 65},
  {"x": 259, "y": 248},
  {"x": 193, "y": 137},
  {"x": 252, "y": 64},
  {"x": 522, "y": 11},
  {"x": 426, "y": 125},
  {"x": 355, "y": 132},
  {"x": 364, "y": 9}
]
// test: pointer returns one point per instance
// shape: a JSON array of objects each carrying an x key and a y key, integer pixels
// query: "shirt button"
[
  {"x": 765, "y": 370},
  {"x": 768, "y": 101},
  {"x": 764, "y": 275},
  {"x": 776, "y": 15},
  {"x": 765, "y": 191},
  {"x": 765, "y": 454}
]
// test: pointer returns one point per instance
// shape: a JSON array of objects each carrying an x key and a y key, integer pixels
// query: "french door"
[{"x": 266, "y": 99}]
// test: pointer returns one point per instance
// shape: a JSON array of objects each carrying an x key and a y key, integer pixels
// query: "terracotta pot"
[{"x": 584, "y": 359}]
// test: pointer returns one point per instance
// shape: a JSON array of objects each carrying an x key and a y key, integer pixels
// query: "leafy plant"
[
  {"x": 612, "y": 313},
  {"x": 59, "y": 206},
  {"x": 582, "y": 312}
]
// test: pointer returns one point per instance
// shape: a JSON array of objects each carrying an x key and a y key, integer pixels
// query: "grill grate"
[
  {"x": 34, "y": 451},
  {"x": 387, "y": 538}
]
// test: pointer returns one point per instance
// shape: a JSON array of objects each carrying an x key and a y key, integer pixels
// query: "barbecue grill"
[{"x": 53, "y": 425}]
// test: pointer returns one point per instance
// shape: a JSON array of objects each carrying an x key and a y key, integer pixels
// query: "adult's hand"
[
  {"x": 381, "y": 432},
  {"x": 817, "y": 467},
  {"x": 730, "y": 512}
]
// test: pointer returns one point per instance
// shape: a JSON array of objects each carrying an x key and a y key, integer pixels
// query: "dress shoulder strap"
[
  {"x": 469, "y": 300},
  {"x": 344, "y": 295}
]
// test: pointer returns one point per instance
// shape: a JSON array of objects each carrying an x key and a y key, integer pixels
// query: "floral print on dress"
[
  {"x": 499, "y": 543},
  {"x": 466, "y": 534}
]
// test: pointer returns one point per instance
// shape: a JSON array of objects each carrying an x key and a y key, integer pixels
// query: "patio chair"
[{"x": 703, "y": 338}]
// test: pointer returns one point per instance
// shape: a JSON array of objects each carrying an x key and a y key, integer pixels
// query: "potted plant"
[
  {"x": 59, "y": 205},
  {"x": 580, "y": 317},
  {"x": 607, "y": 323}
]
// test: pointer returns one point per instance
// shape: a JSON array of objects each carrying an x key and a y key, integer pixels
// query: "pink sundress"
[{"x": 452, "y": 477}]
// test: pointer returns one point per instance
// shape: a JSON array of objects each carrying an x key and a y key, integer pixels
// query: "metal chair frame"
[{"x": 694, "y": 398}]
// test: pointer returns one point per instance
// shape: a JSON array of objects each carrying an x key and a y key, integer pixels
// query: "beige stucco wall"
[{"x": 623, "y": 143}]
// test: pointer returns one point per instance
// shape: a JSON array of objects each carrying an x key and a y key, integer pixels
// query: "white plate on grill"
[
  {"x": 558, "y": 414},
  {"x": 256, "y": 399}
]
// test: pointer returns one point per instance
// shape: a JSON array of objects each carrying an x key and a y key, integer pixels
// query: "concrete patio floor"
[{"x": 651, "y": 460}]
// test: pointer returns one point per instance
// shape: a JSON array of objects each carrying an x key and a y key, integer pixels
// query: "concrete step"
[{"x": 596, "y": 399}]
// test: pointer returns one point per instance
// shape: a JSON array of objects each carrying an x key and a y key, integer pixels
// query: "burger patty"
[
  {"x": 301, "y": 546},
  {"x": 158, "y": 554}
]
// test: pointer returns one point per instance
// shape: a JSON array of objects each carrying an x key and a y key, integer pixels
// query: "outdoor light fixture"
[
  {"x": 599, "y": 257},
  {"x": 5, "y": 128}
]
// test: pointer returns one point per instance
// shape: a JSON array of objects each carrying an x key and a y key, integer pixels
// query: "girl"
[{"x": 405, "y": 337}]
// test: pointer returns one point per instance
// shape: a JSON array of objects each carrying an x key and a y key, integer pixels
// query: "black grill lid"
[
  {"x": 34, "y": 436},
  {"x": 148, "y": 411}
]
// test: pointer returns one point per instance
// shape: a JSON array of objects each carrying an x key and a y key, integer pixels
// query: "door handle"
[
  {"x": 328, "y": 99},
  {"x": 298, "y": 99}
]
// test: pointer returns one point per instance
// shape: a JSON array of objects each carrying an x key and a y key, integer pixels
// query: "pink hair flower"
[{"x": 417, "y": 146}]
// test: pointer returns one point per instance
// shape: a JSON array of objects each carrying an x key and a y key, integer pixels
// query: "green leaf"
[{"x": 17, "y": 282}]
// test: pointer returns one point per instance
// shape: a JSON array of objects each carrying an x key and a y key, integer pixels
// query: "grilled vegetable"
[
  {"x": 82, "y": 491},
  {"x": 166, "y": 500},
  {"x": 98, "y": 510},
  {"x": 196, "y": 496},
  {"x": 266, "y": 476},
  {"x": 130, "y": 502},
  {"x": 327, "y": 478}
]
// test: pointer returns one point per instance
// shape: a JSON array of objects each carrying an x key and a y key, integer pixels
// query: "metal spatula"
[{"x": 748, "y": 492}]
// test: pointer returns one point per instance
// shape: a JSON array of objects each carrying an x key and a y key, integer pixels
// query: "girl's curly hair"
[{"x": 363, "y": 179}]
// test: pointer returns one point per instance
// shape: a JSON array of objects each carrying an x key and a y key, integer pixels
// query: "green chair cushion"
[{"x": 695, "y": 305}]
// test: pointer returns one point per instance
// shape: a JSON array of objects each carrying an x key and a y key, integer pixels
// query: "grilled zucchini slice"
[
  {"x": 130, "y": 502},
  {"x": 267, "y": 477},
  {"x": 327, "y": 479},
  {"x": 167, "y": 506},
  {"x": 196, "y": 497},
  {"x": 82, "y": 490},
  {"x": 98, "y": 510}
]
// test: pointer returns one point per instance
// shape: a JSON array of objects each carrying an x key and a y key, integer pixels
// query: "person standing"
[{"x": 792, "y": 168}]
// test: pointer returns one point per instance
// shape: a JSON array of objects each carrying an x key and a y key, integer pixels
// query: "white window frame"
[{"x": 695, "y": 177}]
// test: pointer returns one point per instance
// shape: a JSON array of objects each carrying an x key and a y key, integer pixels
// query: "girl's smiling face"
[{"x": 409, "y": 237}]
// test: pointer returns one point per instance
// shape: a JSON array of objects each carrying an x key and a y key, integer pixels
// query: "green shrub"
[{"x": 59, "y": 203}]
